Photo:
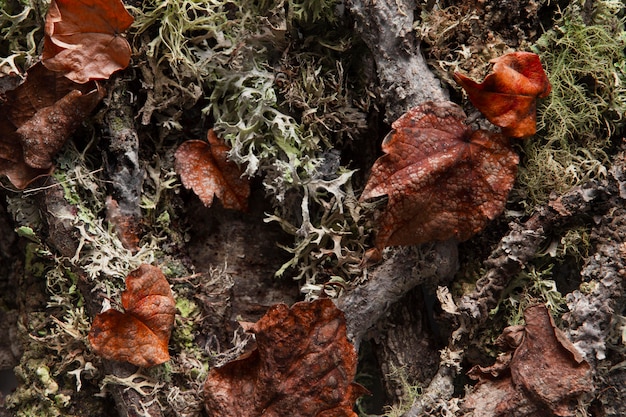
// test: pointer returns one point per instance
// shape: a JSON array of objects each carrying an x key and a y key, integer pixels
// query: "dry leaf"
[
  {"x": 544, "y": 371},
  {"x": 140, "y": 334},
  {"x": 443, "y": 179},
  {"x": 303, "y": 366},
  {"x": 507, "y": 97},
  {"x": 45, "y": 133},
  {"x": 205, "y": 168},
  {"x": 37, "y": 118},
  {"x": 84, "y": 38}
]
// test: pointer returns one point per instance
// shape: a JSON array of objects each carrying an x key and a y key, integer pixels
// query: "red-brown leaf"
[
  {"x": 83, "y": 38},
  {"x": 37, "y": 118},
  {"x": 205, "y": 168},
  {"x": 544, "y": 372},
  {"x": 43, "y": 135},
  {"x": 443, "y": 179},
  {"x": 507, "y": 97},
  {"x": 140, "y": 334},
  {"x": 303, "y": 366}
]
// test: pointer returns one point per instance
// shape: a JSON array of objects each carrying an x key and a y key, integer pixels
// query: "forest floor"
[{"x": 525, "y": 318}]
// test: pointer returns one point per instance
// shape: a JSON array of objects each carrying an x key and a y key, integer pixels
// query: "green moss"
[{"x": 584, "y": 57}]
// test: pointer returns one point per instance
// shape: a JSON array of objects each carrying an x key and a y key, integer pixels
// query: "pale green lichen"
[
  {"x": 20, "y": 25},
  {"x": 281, "y": 113},
  {"x": 54, "y": 340}
]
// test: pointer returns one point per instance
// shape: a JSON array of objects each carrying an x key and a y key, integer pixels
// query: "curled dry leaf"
[
  {"x": 544, "y": 371},
  {"x": 444, "y": 180},
  {"x": 205, "y": 168},
  {"x": 83, "y": 38},
  {"x": 37, "y": 118},
  {"x": 507, "y": 97},
  {"x": 303, "y": 366},
  {"x": 140, "y": 334}
]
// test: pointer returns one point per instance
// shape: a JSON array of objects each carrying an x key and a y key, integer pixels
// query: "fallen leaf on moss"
[
  {"x": 443, "y": 179},
  {"x": 204, "y": 167},
  {"x": 545, "y": 371},
  {"x": 83, "y": 38},
  {"x": 508, "y": 95},
  {"x": 140, "y": 334},
  {"x": 37, "y": 118},
  {"x": 303, "y": 366}
]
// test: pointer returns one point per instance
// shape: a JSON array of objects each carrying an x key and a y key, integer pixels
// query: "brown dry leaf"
[
  {"x": 508, "y": 95},
  {"x": 140, "y": 334},
  {"x": 37, "y": 118},
  {"x": 83, "y": 38},
  {"x": 544, "y": 371},
  {"x": 205, "y": 168},
  {"x": 303, "y": 366},
  {"x": 443, "y": 179}
]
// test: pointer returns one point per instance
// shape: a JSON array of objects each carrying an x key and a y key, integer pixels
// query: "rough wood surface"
[{"x": 387, "y": 28}]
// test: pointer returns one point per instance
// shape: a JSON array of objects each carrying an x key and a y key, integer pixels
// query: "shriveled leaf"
[
  {"x": 303, "y": 366},
  {"x": 544, "y": 372},
  {"x": 204, "y": 167},
  {"x": 507, "y": 97},
  {"x": 548, "y": 365},
  {"x": 45, "y": 133},
  {"x": 443, "y": 179},
  {"x": 140, "y": 334},
  {"x": 37, "y": 118},
  {"x": 83, "y": 38}
]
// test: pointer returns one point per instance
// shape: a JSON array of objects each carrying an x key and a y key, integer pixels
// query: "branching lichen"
[{"x": 20, "y": 26}]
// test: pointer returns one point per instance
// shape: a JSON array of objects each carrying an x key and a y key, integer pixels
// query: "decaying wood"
[
  {"x": 387, "y": 29},
  {"x": 523, "y": 242},
  {"x": 389, "y": 282},
  {"x": 591, "y": 313}
]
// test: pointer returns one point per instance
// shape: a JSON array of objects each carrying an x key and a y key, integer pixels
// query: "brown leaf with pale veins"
[
  {"x": 205, "y": 168},
  {"x": 508, "y": 95},
  {"x": 544, "y": 372},
  {"x": 37, "y": 118},
  {"x": 443, "y": 179},
  {"x": 303, "y": 366},
  {"x": 83, "y": 38},
  {"x": 141, "y": 333}
]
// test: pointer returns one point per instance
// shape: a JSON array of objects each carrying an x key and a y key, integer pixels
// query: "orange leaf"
[
  {"x": 443, "y": 179},
  {"x": 83, "y": 38},
  {"x": 205, "y": 168},
  {"x": 303, "y": 366},
  {"x": 507, "y": 97},
  {"x": 139, "y": 335},
  {"x": 36, "y": 120}
]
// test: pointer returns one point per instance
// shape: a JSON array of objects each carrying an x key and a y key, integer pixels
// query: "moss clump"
[{"x": 584, "y": 57}]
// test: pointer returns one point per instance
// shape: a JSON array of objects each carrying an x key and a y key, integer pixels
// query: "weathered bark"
[
  {"x": 387, "y": 28},
  {"x": 406, "y": 268}
]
